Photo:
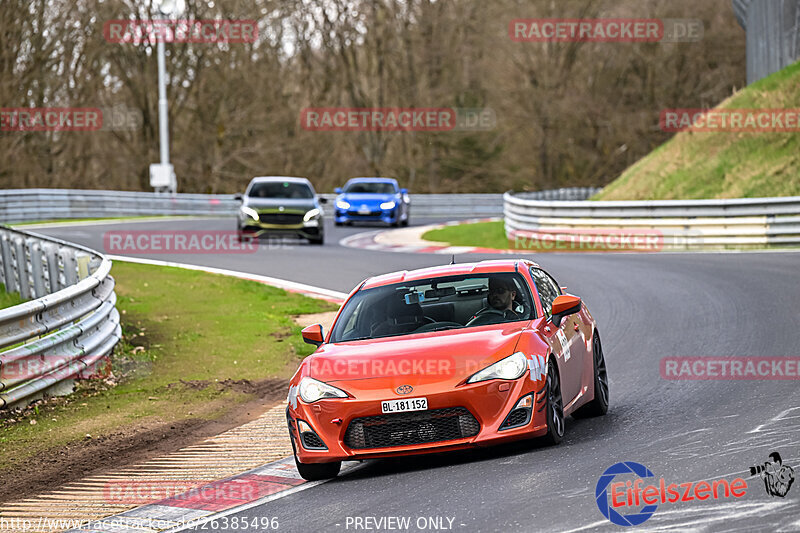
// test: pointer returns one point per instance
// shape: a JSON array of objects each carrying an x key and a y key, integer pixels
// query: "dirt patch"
[
  {"x": 281, "y": 334},
  {"x": 326, "y": 319},
  {"x": 137, "y": 444}
]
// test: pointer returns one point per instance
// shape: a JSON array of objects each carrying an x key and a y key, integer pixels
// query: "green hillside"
[{"x": 723, "y": 164}]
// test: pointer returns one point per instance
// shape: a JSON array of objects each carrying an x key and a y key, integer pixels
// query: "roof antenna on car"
[{"x": 453, "y": 260}]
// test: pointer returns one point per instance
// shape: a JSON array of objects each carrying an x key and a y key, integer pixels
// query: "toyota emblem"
[{"x": 404, "y": 389}]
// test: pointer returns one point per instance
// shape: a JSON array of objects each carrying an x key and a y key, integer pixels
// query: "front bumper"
[
  {"x": 387, "y": 216},
  {"x": 486, "y": 402},
  {"x": 252, "y": 228}
]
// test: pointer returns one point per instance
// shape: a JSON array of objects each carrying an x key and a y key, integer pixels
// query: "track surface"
[{"x": 647, "y": 307}]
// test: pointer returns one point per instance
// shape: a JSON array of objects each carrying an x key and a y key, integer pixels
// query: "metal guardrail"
[
  {"x": 22, "y": 205},
  {"x": 681, "y": 224},
  {"x": 70, "y": 323}
]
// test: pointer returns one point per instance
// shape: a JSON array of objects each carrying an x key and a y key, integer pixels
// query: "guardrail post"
[
  {"x": 50, "y": 251},
  {"x": 70, "y": 266},
  {"x": 23, "y": 269},
  {"x": 82, "y": 263},
  {"x": 8, "y": 264},
  {"x": 37, "y": 270}
]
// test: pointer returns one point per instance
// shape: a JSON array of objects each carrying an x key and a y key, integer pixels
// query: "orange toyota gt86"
[{"x": 445, "y": 358}]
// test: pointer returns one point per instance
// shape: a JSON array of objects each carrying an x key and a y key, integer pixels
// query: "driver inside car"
[{"x": 501, "y": 299}]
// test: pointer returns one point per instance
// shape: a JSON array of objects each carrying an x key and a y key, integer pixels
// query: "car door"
[{"x": 566, "y": 340}]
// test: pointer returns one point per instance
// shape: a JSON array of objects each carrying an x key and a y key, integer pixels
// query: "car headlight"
[
  {"x": 312, "y": 390},
  {"x": 388, "y": 205},
  {"x": 314, "y": 213},
  {"x": 341, "y": 204},
  {"x": 511, "y": 367},
  {"x": 249, "y": 211}
]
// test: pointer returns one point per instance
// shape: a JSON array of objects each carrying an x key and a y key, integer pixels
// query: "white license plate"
[
  {"x": 364, "y": 210},
  {"x": 405, "y": 405}
]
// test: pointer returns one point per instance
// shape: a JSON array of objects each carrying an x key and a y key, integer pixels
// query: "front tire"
[
  {"x": 598, "y": 406},
  {"x": 318, "y": 471},
  {"x": 554, "y": 407},
  {"x": 314, "y": 471}
]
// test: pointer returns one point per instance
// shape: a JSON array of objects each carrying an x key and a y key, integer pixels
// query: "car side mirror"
[
  {"x": 338, "y": 190},
  {"x": 313, "y": 334},
  {"x": 323, "y": 200},
  {"x": 403, "y": 191},
  {"x": 238, "y": 197},
  {"x": 564, "y": 305}
]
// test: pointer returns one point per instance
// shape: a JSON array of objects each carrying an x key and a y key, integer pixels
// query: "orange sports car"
[{"x": 445, "y": 358}]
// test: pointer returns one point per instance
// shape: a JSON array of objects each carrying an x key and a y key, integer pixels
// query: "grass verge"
[
  {"x": 8, "y": 299},
  {"x": 481, "y": 234},
  {"x": 195, "y": 346},
  {"x": 694, "y": 165}
]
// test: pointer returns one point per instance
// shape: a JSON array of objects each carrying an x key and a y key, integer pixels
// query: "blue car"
[{"x": 372, "y": 200}]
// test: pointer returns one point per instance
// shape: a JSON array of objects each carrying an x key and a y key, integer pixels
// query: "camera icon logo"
[{"x": 778, "y": 477}]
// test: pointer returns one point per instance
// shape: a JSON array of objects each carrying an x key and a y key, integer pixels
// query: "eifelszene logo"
[{"x": 644, "y": 501}]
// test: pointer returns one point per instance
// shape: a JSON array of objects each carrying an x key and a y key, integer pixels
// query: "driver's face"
[{"x": 500, "y": 297}]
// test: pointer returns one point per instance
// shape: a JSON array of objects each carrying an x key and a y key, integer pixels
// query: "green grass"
[
  {"x": 482, "y": 234},
  {"x": 178, "y": 326},
  {"x": 723, "y": 165},
  {"x": 8, "y": 299}
]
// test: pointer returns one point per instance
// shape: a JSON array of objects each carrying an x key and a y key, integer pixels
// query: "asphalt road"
[{"x": 647, "y": 306}]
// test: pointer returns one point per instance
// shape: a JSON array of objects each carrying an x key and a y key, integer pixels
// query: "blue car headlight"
[
  {"x": 388, "y": 205},
  {"x": 341, "y": 204}
]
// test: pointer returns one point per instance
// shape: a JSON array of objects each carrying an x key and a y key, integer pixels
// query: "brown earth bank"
[{"x": 135, "y": 443}]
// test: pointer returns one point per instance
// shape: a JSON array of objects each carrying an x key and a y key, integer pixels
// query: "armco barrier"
[
  {"x": 21, "y": 205},
  {"x": 681, "y": 224},
  {"x": 70, "y": 323}
]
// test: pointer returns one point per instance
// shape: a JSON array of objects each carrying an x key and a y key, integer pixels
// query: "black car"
[{"x": 279, "y": 205}]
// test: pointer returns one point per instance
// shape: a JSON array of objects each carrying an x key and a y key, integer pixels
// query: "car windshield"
[
  {"x": 281, "y": 189},
  {"x": 434, "y": 304},
  {"x": 370, "y": 188}
]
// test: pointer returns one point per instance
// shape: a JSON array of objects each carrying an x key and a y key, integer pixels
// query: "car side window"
[{"x": 547, "y": 288}]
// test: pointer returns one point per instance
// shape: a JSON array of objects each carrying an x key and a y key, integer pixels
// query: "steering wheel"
[
  {"x": 434, "y": 325},
  {"x": 488, "y": 313}
]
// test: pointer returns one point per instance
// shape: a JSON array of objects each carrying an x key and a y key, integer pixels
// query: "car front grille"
[
  {"x": 281, "y": 218},
  {"x": 359, "y": 214},
  {"x": 401, "y": 429}
]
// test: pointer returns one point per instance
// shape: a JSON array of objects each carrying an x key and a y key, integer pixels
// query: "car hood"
[
  {"x": 447, "y": 357},
  {"x": 292, "y": 204}
]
